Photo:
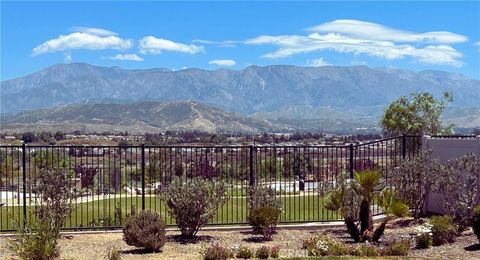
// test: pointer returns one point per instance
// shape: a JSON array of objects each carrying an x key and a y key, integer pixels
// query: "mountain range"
[{"x": 254, "y": 98}]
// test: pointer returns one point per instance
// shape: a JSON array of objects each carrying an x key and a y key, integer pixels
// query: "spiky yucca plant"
[{"x": 366, "y": 186}]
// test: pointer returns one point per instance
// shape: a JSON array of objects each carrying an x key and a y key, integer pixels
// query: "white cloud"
[
  {"x": 95, "y": 31},
  {"x": 318, "y": 62},
  {"x": 153, "y": 45},
  {"x": 358, "y": 63},
  {"x": 477, "y": 44},
  {"x": 226, "y": 63},
  {"x": 131, "y": 57},
  {"x": 82, "y": 40},
  {"x": 374, "y": 31},
  {"x": 67, "y": 57},
  {"x": 373, "y": 45},
  {"x": 226, "y": 44}
]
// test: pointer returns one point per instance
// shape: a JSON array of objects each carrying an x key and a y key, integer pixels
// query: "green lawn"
[{"x": 295, "y": 209}]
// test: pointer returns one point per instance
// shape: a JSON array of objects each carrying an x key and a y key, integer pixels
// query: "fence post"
[
  {"x": 143, "y": 177},
  {"x": 252, "y": 175},
  {"x": 24, "y": 178},
  {"x": 351, "y": 161},
  {"x": 404, "y": 146}
]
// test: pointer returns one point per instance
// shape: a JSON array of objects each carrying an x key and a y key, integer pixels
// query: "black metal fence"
[{"x": 111, "y": 181}]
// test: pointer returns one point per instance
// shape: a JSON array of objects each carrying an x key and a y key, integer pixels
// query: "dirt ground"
[{"x": 95, "y": 246}]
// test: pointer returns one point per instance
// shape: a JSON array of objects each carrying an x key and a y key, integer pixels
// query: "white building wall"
[{"x": 445, "y": 149}]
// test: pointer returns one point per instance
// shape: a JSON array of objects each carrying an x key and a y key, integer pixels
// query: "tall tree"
[{"x": 418, "y": 114}]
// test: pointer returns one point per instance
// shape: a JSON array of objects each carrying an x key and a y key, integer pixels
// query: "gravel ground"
[{"x": 94, "y": 246}]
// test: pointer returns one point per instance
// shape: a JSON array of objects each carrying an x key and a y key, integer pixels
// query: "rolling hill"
[{"x": 139, "y": 117}]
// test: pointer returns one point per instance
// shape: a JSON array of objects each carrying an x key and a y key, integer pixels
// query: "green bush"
[
  {"x": 37, "y": 241},
  {"x": 423, "y": 241},
  {"x": 476, "y": 221},
  {"x": 38, "y": 238},
  {"x": 264, "y": 219},
  {"x": 113, "y": 253},
  {"x": 244, "y": 252},
  {"x": 194, "y": 203},
  {"x": 217, "y": 252},
  {"x": 146, "y": 230},
  {"x": 262, "y": 252},
  {"x": 323, "y": 245},
  {"x": 443, "y": 230},
  {"x": 265, "y": 209},
  {"x": 366, "y": 250},
  {"x": 397, "y": 248}
]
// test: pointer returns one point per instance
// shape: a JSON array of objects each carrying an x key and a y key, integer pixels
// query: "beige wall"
[{"x": 445, "y": 149}]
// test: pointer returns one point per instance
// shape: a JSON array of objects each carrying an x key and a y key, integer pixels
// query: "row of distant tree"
[{"x": 417, "y": 114}]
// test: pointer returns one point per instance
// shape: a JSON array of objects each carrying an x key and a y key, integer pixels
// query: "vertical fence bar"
[
  {"x": 351, "y": 161},
  {"x": 252, "y": 175},
  {"x": 143, "y": 176},
  {"x": 404, "y": 146},
  {"x": 24, "y": 178}
]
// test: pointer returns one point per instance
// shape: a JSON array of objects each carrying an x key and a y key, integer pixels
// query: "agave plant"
[{"x": 366, "y": 186}]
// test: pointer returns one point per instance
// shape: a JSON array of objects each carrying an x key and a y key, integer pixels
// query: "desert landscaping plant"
[
  {"x": 113, "y": 253},
  {"x": 444, "y": 230},
  {"x": 264, "y": 219},
  {"x": 146, "y": 230},
  {"x": 262, "y": 252},
  {"x": 216, "y": 252},
  {"x": 194, "y": 203},
  {"x": 460, "y": 189},
  {"x": 244, "y": 252},
  {"x": 324, "y": 245},
  {"x": 415, "y": 178},
  {"x": 366, "y": 186},
  {"x": 397, "y": 248},
  {"x": 37, "y": 239},
  {"x": 264, "y": 212},
  {"x": 275, "y": 251},
  {"x": 476, "y": 221},
  {"x": 424, "y": 236}
]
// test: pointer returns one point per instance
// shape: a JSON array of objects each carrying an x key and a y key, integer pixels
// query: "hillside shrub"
[
  {"x": 217, "y": 252},
  {"x": 323, "y": 245},
  {"x": 460, "y": 189},
  {"x": 38, "y": 238},
  {"x": 366, "y": 250},
  {"x": 443, "y": 230},
  {"x": 194, "y": 203},
  {"x": 36, "y": 241},
  {"x": 264, "y": 211},
  {"x": 264, "y": 219},
  {"x": 423, "y": 238},
  {"x": 415, "y": 178},
  {"x": 146, "y": 230},
  {"x": 113, "y": 253},
  {"x": 275, "y": 251},
  {"x": 476, "y": 221},
  {"x": 262, "y": 252},
  {"x": 397, "y": 248},
  {"x": 244, "y": 252}
]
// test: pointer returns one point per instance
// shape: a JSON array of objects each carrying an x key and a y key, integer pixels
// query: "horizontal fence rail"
[{"x": 111, "y": 181}]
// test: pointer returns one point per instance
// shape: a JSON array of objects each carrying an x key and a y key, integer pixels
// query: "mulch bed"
[{"x": 94, "y": 246}]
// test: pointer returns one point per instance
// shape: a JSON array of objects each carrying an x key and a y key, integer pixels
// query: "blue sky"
[{"x": 211, "y": 35}]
